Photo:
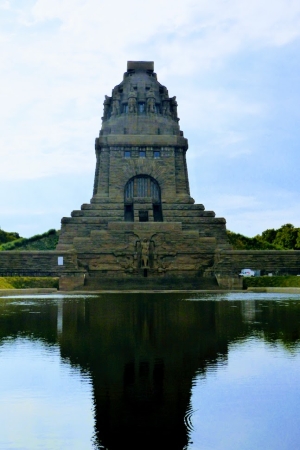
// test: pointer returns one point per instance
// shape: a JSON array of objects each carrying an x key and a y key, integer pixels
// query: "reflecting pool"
[{"x": 150, "y": 371}]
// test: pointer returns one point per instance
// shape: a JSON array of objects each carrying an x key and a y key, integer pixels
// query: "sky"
[{"x": 233, "y": 65}]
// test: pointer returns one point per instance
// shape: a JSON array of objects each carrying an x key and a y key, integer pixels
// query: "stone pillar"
[
  {"x": 103, "y": 173},
  {"x": 182, "y": 184}
]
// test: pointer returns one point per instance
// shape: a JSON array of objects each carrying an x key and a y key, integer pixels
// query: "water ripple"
[{"x": 188, "y": 419}]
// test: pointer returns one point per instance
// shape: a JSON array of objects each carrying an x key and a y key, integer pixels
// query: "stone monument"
[{"x": 142, "y": 227}]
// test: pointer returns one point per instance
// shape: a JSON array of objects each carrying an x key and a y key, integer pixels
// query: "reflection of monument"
[
  {"x": 142, "y": 353},
  {"x": 141, "y": 194}
]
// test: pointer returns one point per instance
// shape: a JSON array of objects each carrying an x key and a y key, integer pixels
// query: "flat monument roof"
[{"x": 140, "y": 65}]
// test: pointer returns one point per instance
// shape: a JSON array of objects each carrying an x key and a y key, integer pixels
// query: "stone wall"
[
  {"x": 193, "y": 265},
  {"x": 230, "y": 262},
  {"x": 37, "y": 263}
]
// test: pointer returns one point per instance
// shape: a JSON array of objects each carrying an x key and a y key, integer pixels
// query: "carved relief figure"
[
  {"x": 150, "y": 96},
  {"x": 174, "y": 107},
  {"x": 145, "y": 244},
  {"x": 128, "y": 263},
  {"x": 106, "y": 104},
  {"x": 161, "y": 264},
  {"x": 164, "y": 93},
  {"x": 151, "y": 105},
  {"x": 165, "y": 102},
  {"x": 166, "y": 108},
  {"x": 132, "y": 101},
  {"x": 131, "y": 105},
  {"x": 116, "y": 104}
]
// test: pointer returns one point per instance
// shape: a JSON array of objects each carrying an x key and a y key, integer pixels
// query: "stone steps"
[{"x": 170, "y": 215}]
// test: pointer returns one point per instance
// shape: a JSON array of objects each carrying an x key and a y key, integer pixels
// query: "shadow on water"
[{"x": 143, "y": 351}]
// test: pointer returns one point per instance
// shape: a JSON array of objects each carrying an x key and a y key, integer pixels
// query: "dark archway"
[{"x": 142, "y": 187}]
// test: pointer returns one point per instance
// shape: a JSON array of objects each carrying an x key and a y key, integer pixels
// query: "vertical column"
[
  {"x": 187, "y": 184},
  {"x": 103, "y": 172},
  {"x": 150, "y": 213},
  {"x": 96, "y": 172},
  {"x": 182, "y": 185},
  {"x": 135, "y": 213}
]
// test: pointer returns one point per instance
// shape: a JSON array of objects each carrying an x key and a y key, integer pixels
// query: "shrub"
[
  {"x": 4, "y": 284},
  {"x": 240, "y": 242},
  {"x": 8, "y": 236},
  {"x": 275, "y": 281},
  {"x": 45, "y": 241},
  {"x": 28, "y": 282}
]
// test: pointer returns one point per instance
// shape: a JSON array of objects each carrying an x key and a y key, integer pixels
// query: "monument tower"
[{"x": 141, "y": 226}]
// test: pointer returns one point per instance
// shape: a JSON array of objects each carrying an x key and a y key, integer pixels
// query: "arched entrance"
[{"x": 142, "y": 200}]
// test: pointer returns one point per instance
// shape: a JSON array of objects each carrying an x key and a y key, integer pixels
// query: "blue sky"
[{"x": 233, "y": 65}]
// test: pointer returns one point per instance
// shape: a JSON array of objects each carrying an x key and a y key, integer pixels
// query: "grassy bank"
[
  {"x": 275, "y": 281},
  {"x": 45, "y": 241},
  {"x": 28, "y": 282}
]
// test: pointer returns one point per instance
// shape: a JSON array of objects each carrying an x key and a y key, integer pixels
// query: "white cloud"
[
  {"x": 234, "y": 202},
  {"x": 214, "y": 109},
  {"x": 5, "y": 4},
  {"x": 255, "y": 221},
  {"x": 60, "y": 57},
  {"x": 256, "y": 211}
]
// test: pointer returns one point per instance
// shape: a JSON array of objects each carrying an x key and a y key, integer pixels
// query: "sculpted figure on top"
[
  {"x": 139, "y": 94},
  {"x": 174, "y": 105},
  {"x": 132, "y": 96},
  {"x": 106, "y": 111},
  {"x": 116, "y": 104},
  {"x": 150, "y": 96}
]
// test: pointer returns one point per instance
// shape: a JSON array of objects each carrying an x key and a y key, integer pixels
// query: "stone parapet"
[
  {"x": 132, "y": 140},
  {"x": 105, "y": 213},
  {"x": 151, "y": 227},
  {"x": 82, "y": 220},
  {"x": 182, "y": 207},
  {"x": 267, "y": 261},
  {"x": 37, "y": 263},
  {"x": 100, "y": 204}
]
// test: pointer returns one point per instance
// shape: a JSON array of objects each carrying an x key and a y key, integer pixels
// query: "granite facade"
[{"x": 141, "y": 221}]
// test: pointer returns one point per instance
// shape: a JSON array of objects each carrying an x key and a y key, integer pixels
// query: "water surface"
[{"x": 141, "y": 371}]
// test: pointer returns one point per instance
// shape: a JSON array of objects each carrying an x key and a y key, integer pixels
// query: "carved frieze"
[
  {"x": 151, "y": 101},
  {"x": 128, "y": 263}
]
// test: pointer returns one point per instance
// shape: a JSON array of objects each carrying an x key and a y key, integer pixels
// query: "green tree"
[
  {"x": 286, "y": 236},
  {"x": 269, "y": 235},
  {"x": 240, "y": 242},
  {"x": 8, "y": 236}
]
